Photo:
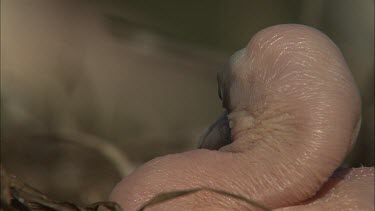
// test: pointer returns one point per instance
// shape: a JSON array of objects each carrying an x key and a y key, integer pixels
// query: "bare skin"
[{"x": 294, "y": 113}]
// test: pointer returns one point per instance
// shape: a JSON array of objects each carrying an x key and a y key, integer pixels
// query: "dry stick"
[{"x": 120, "y": 161}]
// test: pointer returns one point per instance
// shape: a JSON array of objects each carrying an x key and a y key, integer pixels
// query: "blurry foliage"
[{"x": 215, "y": 24}]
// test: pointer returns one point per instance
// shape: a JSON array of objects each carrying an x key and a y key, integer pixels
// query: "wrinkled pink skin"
[{"x": 294, "y": 112}]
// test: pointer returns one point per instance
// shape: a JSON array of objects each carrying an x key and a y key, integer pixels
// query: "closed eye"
[
  {"x": 219, "y": 89},
  {"x": 222, "y": 86}
]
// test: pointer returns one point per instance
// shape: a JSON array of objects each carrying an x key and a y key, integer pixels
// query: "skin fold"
[
  {"x": 347, "y": 189},
  {"x": 292, "y": 112}
]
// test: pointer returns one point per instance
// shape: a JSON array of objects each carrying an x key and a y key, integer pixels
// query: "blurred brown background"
[{"x": 92, "y": 89}]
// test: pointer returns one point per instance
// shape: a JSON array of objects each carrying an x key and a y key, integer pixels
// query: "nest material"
[{"x": 16, "y": 195}]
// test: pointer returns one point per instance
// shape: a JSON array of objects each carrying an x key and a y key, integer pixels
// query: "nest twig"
[{"x": 16, "y": 195}]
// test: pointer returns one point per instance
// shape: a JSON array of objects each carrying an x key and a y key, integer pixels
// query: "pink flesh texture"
[
  {"x": 347, "y": 190},
  {"x": 294, "y": 114}
]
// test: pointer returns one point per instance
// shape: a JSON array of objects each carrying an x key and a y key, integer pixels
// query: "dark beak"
[{"x": 217, "y": 135}]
